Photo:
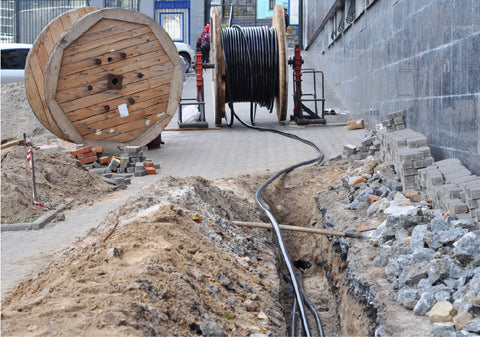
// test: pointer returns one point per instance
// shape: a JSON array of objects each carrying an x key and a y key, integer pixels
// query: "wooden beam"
[
  {"x": 13, "y": 143},
  {"x": 299, "y": 229}
]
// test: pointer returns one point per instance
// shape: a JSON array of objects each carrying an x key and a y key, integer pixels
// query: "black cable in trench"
[{"x": 251, "y": 75}]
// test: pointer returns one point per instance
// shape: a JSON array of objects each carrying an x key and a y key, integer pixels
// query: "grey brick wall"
[{"x": 420, "y": 56}]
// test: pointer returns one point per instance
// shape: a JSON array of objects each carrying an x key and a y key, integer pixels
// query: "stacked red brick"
[{"x": 87, "y": 154}]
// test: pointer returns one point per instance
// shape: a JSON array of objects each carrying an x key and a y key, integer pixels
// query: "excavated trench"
[{"x": 342, "y": 299}]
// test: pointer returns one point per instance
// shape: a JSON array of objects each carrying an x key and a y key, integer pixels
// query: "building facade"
[{"x": 420, "y": 56}]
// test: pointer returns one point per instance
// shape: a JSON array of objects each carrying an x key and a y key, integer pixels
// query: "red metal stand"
[
  {"x": 199, "y": 101},
  {"x": 311, "y": 117}
]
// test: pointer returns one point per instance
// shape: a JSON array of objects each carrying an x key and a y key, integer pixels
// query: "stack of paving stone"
[
  {"x": 452, "y": 187},
  {"x": 408, "y": 151},
  {"x": 395, "y": 121},
  {"x": 370, "y": 145},
  {"x": 130, "y": 163}
]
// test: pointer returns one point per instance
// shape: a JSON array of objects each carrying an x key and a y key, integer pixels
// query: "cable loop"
[{"x": 251, "y": 65}]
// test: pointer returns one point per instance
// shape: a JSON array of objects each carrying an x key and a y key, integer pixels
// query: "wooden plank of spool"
[
  {"x": 92, "y": 111},
  {"x": 218, "y": 79},
  {"x": 35, "y": 66},
  {"x": 157, "y": 64},
  {"x": 137, "y": 64},
  {"x": 132, "y": 77},
  {"x": 281, "y": 101}
]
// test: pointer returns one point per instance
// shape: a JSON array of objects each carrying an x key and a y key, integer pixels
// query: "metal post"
[
  {"x": 33, "y": 174},
  {"x": 16, "y": 18},
  {"x": 300, "y": 23}
]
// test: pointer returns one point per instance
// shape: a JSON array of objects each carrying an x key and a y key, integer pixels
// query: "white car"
[
  {"x": 14, "y": 56},
  {"x": 186, "y": 53}
]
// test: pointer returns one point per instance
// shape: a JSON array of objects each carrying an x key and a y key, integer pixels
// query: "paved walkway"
[{"x": 209, "y": 153}]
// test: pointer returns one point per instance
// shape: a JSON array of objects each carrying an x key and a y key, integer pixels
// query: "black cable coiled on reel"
[{"x": 251, "y": 65}]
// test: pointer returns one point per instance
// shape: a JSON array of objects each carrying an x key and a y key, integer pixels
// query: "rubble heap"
[
  {"x": 446, "y": 183},
  {"x": 431, "y": 259}
]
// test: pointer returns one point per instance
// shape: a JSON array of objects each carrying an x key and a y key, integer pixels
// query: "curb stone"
[{"x": 37, "y": 224}]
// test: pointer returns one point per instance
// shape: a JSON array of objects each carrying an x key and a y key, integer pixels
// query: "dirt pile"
[
  {"x": 168, "y": 263},
  {"x": 18, "y": 117},
  {"x": 59, "y": 178}
]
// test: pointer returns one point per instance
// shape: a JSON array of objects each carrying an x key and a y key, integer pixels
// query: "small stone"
[
  {"x": 467, "y": 248},
  {"x": 450, "y": 236},
  {"x": 60, "y": 217},
  {"x": 194, "y": 272},
  {"x": 418, "y": 234},
  {"x": 238, "y": 250},
  {"x": 438, "y": 269},
  {"x": 473, "y": 326},
  {"x": 461, "y": 319},
  {"x": 407, "y": 297},
  {"x": 372, "y": 199},
  {"x": 210, "y": 328},
  {"x": 251, "y": 305},
  {"x": 248, "y": 289},
  {"x": 358, "y": 181},
  {"x": 443, "y": 330},
  {"x": 442, "y": 296},
  {"x": 412, "y": 195},
  {"x": 32, "y": 328},
  {"x": 424, "y": 304},
  {"x": 442, "y": 312},
  {"x": 224, "y": 280},
  {"x": 213, "y": 289}
]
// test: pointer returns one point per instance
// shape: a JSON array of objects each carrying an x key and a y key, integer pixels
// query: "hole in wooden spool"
[
  {"x": 110, "y": 59},
  {"x": 89, "y": 87},
  {"x": 139, "y": 75},
  {"x": 123, "y": 55},
  {"x": 98, "y": 61},
  {"x": 106, "y": 107},
  {"x": 131, "y": 101},
  {"x": 114, "y": 81}
]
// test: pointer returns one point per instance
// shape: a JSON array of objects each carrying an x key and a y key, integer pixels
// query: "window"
[
  {"x": 173, "y": 25},
  {"x": 272, "y": 4}
]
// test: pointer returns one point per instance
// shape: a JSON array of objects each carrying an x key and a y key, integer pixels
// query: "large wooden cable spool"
[
  {"x": 104, "y": 76},
  {"x": 218, "y": 75}
]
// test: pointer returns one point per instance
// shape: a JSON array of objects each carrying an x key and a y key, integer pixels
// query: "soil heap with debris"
[{"x": 59, "y": 178}]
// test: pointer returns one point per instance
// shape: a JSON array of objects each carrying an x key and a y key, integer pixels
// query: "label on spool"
[{"x": 122, "y": 108}]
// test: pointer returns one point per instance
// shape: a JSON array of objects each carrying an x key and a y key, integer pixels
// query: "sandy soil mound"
[
  {"x": 59, "y": 177},
  {"x": 166, "y": 264},
  {"x": 18, "y": 118}
]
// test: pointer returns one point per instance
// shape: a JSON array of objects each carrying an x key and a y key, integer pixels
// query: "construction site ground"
[{"x": 162, "y": 256}]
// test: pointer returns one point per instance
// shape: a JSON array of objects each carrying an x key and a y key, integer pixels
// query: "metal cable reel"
[{"x": 250, "y": 66}]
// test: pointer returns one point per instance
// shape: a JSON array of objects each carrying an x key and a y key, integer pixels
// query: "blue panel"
[{"x": 171, "y": 4}]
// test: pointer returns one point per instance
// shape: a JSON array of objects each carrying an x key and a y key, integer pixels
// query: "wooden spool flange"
[
  {"x": 105, "y": 77},
  {"x": 281, "y": 100}
]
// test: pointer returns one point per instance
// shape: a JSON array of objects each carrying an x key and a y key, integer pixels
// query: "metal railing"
[{"x": 22, "y": 20}]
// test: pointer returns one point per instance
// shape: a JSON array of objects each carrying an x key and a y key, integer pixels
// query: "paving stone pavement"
[{"x": 207, "y": 153}]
